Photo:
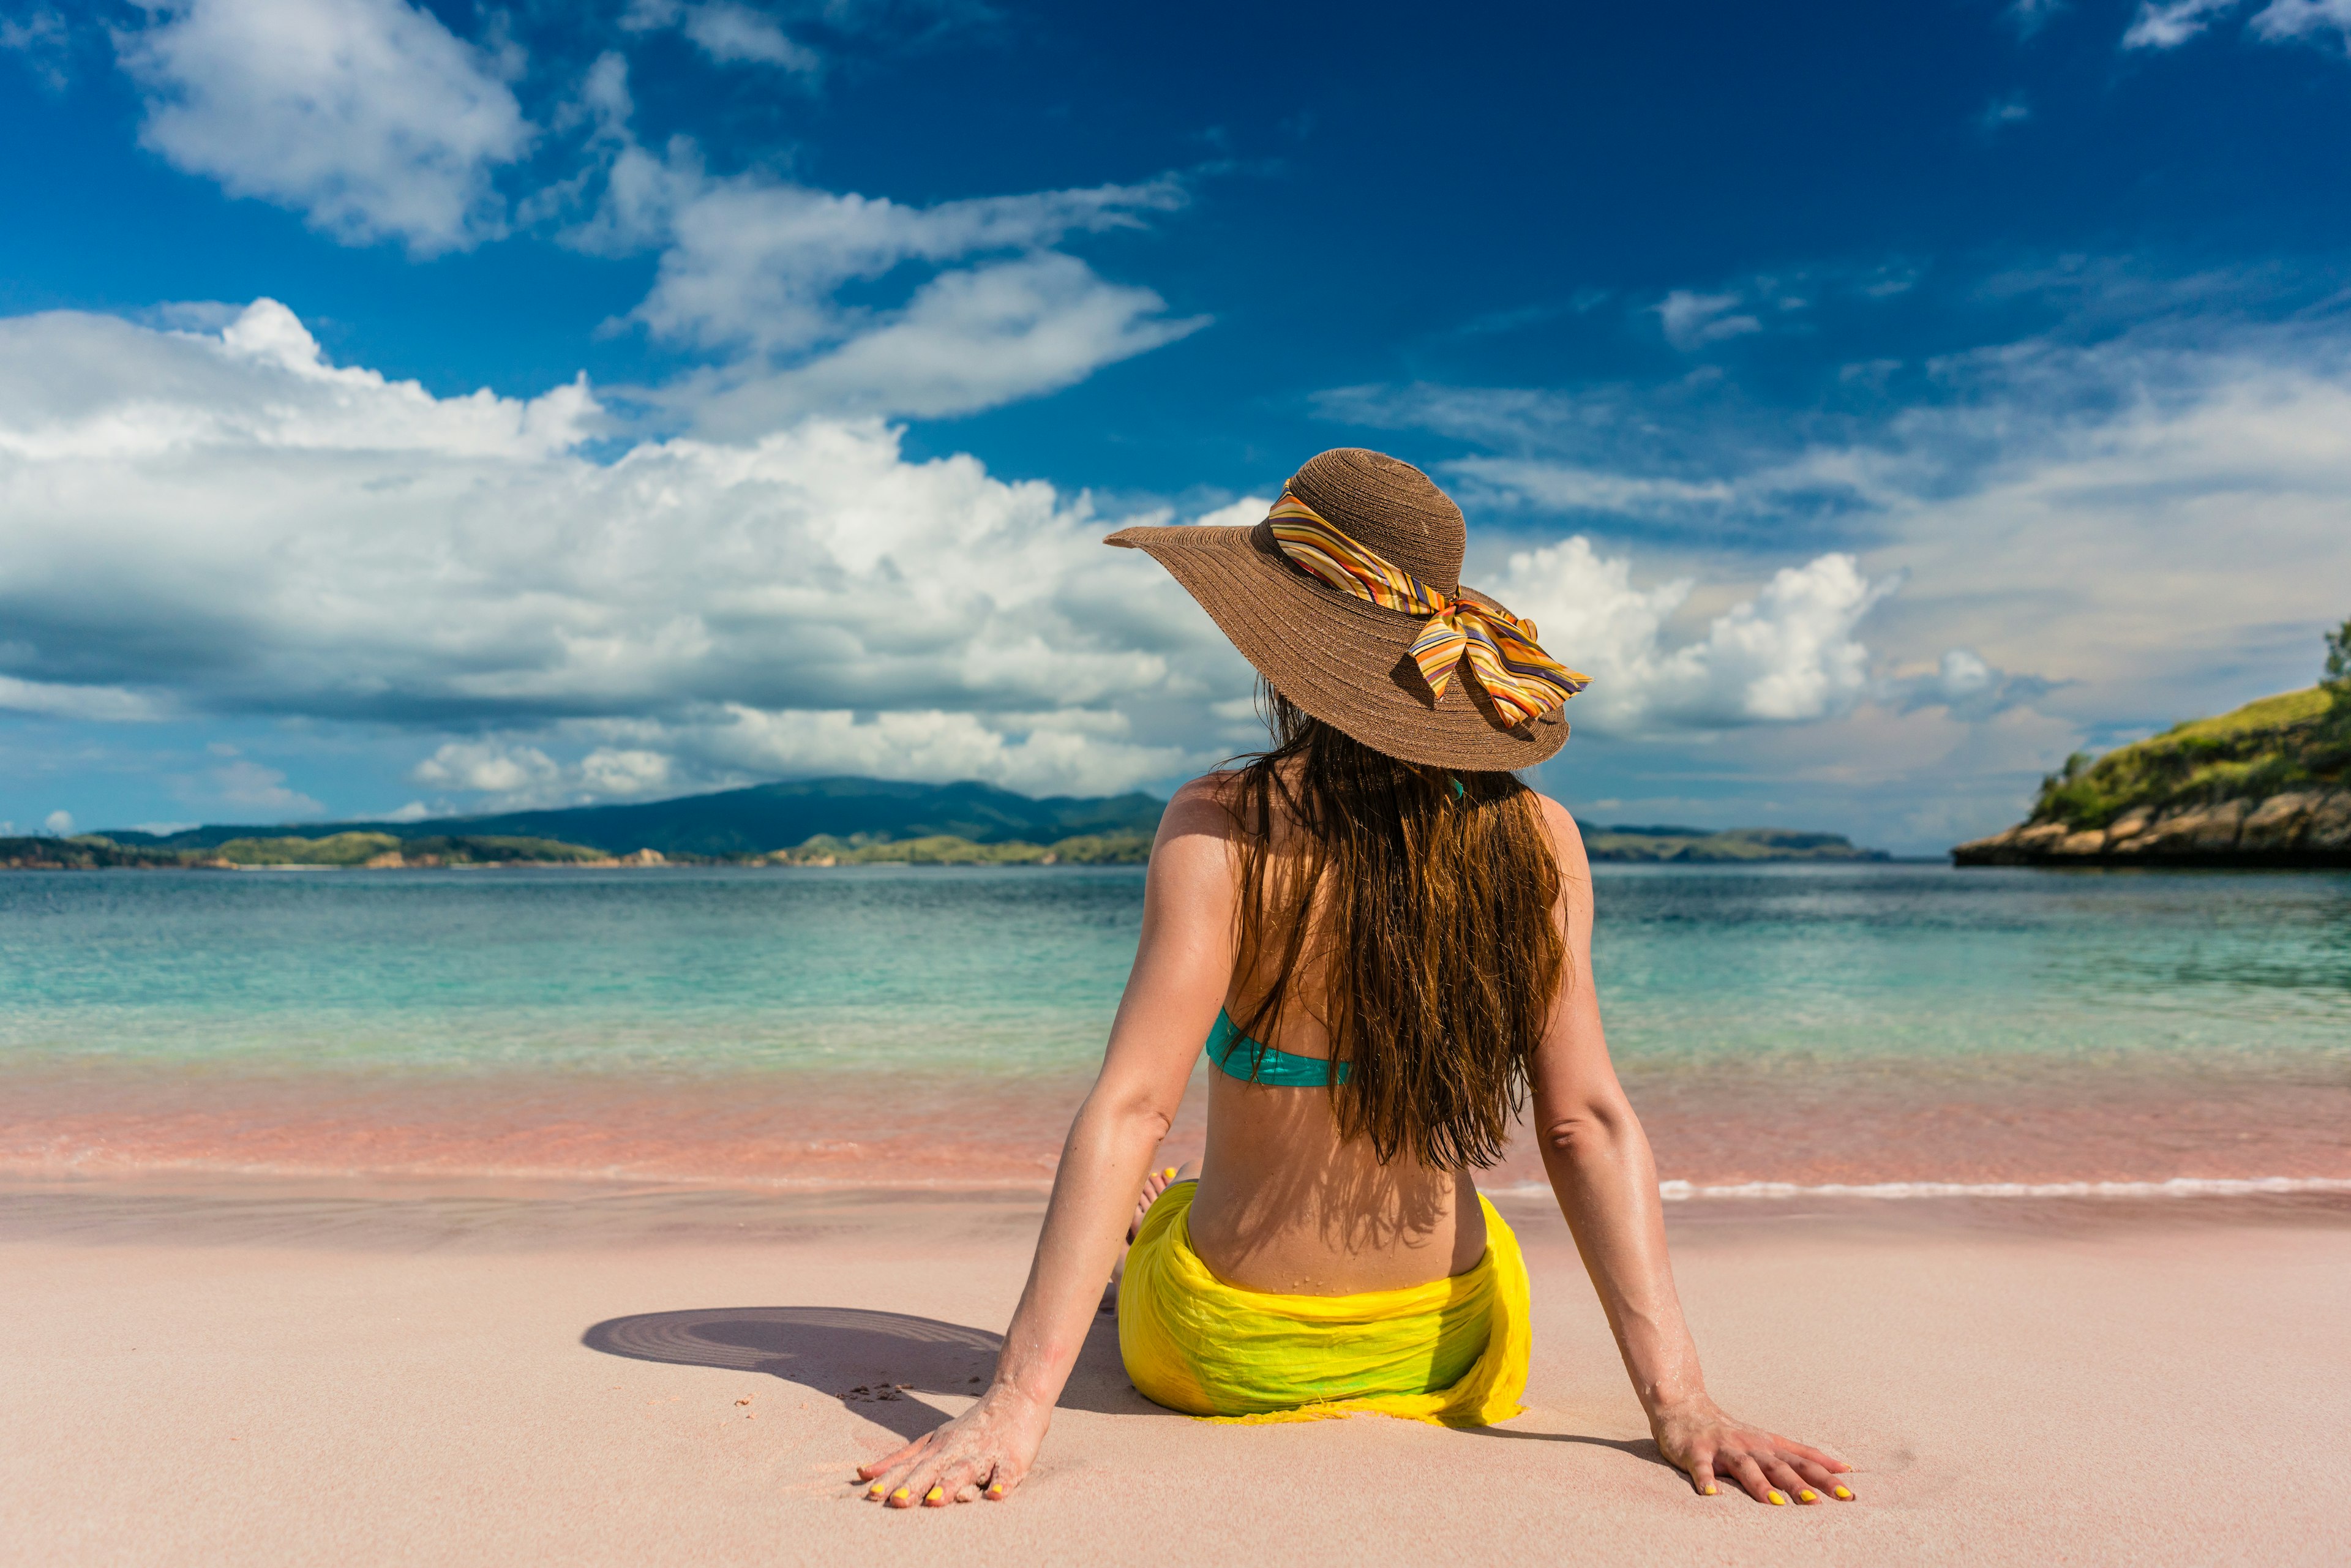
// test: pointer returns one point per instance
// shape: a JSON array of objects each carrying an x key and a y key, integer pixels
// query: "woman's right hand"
[{"x": 983, "y": 1452}]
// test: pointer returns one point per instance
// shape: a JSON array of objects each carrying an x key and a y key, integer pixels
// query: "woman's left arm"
[
  {"x": 1607, "y": 1181},
  {"x": 1182, "y": 964}
]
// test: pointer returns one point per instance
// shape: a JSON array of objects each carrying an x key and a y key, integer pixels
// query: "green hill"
[
  {"x": 754, "y": 821},
  {"x": 2268, "y": 784}
]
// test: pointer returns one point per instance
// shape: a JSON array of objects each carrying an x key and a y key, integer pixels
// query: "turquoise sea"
[{"x": 1868, "y": 1025}]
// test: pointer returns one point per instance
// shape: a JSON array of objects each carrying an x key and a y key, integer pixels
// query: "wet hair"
[{"x": 1425, "y": 900}]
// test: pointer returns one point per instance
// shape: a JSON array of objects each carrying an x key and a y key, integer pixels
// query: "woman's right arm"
[
  {"x": 1182, "y": 961},
  {"x": 1606, "y": 1181}
]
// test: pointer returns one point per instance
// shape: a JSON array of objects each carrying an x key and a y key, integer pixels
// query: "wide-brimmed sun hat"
[{"x": 1348, "y": 600}]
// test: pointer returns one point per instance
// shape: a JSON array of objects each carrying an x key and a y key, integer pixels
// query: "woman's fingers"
[
  {"x": 1787, "y": 1482},
  {"x": 889, "y": 1474},
  {"x": 955, "y": 1475},
  {"x": 1820, "y": 1476},
  {"x": 893, "y": 1460},
  {"x": 1701, "y": 1472},
  {"x": 1749, "y": 1474}
]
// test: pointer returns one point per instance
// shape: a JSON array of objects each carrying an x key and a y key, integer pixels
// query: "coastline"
[{"x": 266, "y": 1375}]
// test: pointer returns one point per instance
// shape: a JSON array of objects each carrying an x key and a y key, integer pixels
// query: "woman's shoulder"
[
  {"x": 1201, "y": 809},
  {"x": 1567, "y": 838}
]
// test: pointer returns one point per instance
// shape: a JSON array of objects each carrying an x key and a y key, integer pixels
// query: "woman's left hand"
[
  {"x": 983, "y": 1452},
  {"x": 1700, "y": 1439}
]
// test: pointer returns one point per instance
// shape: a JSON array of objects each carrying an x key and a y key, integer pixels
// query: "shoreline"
[{"x": 214, "y": 1208}]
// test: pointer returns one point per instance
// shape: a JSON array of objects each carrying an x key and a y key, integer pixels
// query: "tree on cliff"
[{"x": 2338, "y": 661}]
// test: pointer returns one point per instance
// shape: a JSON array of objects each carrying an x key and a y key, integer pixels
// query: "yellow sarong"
[{"x": 1453, "y": 1352}]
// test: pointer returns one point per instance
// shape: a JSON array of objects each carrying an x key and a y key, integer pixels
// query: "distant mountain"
[
  {"x": 1706, "y": 846},
  {"x": 847, "y": 815},
  {"x": 756, "y": 820}
]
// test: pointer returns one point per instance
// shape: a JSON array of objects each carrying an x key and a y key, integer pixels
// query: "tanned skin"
[{"x": 1285, "y": 1204}]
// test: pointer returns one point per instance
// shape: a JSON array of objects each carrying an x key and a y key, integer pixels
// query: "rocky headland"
[{"x": 2267, "y": 785}]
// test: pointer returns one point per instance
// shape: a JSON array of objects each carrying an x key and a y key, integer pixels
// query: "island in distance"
[
  {"x": 2266, "y": 785},
  {"x": 814, "y": 821}
]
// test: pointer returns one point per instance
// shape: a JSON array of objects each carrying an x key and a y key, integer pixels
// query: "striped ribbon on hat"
[{"x": 1522, "y": 680}]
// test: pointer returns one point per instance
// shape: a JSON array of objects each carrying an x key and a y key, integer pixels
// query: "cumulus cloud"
[
  {"x": 369, "y": 116},
  {"x": 2126, "y": 530},
  {"x": 1787, "y": 653},
  {"x": 222, "y": 521}
]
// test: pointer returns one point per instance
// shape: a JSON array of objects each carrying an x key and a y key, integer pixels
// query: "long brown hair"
[{"x": 1427, "y": 900}]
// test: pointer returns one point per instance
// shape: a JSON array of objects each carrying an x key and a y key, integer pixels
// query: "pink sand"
[{"x": 335, "y": 1376}]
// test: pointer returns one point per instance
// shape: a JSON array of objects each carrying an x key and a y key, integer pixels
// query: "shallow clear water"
[{"x": 1800, "y": 1023}]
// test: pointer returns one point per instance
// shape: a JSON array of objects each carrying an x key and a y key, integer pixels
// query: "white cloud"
[
  {"x": 1693, "y": 320},
  {"x": 2010, "y": 108},
  {"x": 368, "y": 116},
  {"x": 735, "y": 34},
  {"x": 250, "y": 787},
  {"x": 52, "y": 700},
  {"x": 753, "y": 263},
  {"x": 60, "y": 822},
  {"x": 752, "y": 268},
  {"x": 968, "y": 340},
  {"x": 2167, "y": 24},
  {"x": 1787, "y": 653},
  {"x": 728, "y": 33},
  {"x": 223, "y": 522},
  {"x": 2129, "y": 531},
  {"x": 2283, "y": 20}
]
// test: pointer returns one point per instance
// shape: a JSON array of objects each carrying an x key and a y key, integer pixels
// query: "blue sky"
[{"x": 436, "y": 408}]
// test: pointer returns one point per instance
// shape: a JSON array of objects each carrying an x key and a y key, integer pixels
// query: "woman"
[{"x": 1383, "y": 936}]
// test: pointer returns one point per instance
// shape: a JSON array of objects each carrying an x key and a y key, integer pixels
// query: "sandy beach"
[{"x": 265, "y": 1376}]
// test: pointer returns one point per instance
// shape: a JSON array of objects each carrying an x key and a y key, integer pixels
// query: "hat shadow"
[{"x": 874, "y": 1364}]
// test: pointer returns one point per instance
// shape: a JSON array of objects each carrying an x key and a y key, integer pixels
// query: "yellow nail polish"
[
  {"x": 933, "y": 1495},
  {"x": 1809, "y": 1495},
  {"x": 1844, "y": 1494},
  {"x": 877, "y": 1489},
  {"x": 996, "y": 1489},
  {"x": 898, "y": 1496},
  {"x": 1778, "y": 1500},
  {"x": 1169, "y": 1175}
]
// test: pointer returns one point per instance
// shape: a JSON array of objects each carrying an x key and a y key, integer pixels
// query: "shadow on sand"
[{"x": 873, "y": 1363}]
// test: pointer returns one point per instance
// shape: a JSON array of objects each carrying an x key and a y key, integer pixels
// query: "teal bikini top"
[{"x": 1239, "y": 1056}]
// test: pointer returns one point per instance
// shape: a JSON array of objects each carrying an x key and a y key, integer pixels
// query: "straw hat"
[{"x": 1325, "y": 633}]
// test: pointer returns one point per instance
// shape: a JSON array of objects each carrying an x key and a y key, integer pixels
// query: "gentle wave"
[{"x": 2178, "y": 1186}]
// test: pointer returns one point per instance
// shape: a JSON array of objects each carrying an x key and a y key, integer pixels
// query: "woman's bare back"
[{"x": 1286, "y": 1204}]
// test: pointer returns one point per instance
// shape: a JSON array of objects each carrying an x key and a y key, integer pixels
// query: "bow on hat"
[{"x": 1522, "y": 680}]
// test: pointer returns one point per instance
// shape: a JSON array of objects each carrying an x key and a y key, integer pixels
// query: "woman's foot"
[{"x": 1154, "y": 1184}]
